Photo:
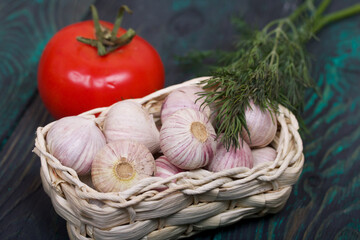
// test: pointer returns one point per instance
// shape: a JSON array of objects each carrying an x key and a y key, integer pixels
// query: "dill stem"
[
  {"x": 298, "y": 11},
  {"x": 332, "y": 17},
  {"x": 322, "y": 7},
  {"x": 273, "y": 51}
]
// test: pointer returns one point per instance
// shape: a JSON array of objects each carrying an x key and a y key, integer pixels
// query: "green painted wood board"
[{"x": 324, "y": 203}]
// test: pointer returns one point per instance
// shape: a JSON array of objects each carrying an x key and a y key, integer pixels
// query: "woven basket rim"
[{"x": 90, "y": 114}]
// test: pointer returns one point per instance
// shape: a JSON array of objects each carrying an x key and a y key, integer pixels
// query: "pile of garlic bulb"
[
  {"x": 123, "y": 150},
  {"x": 188, "y": 139},
  {"x": 118, "y": 155}
]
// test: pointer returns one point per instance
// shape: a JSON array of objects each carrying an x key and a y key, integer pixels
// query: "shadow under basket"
[{"x": 192, "y": 201}]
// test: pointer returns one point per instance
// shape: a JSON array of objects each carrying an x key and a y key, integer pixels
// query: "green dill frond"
[{"x": 269, "y": 67}]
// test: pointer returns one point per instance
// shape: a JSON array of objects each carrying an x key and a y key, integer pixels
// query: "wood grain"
[
  {"x": 26, "y": 27},
  {"x": 25, "y": 209}
]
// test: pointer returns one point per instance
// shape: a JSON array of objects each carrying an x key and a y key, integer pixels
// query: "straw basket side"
[{"x": 198, "y": 200}]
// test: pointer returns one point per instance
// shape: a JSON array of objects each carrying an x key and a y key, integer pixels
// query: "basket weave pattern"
[{"x": 196, "y": 201}]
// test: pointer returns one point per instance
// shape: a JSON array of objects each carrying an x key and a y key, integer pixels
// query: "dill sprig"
[{"x": 269, "y": 67}]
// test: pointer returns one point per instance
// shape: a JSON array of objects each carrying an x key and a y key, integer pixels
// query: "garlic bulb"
[
  {"x": 262, "y": 126},
  {"x": 261, "y": 155},
  {"x": 235, "y": 157},
  {"x": 74, "y": 141},
  {"x": 187, "y": 139},
  {"x": 121, "y": 164},
  {"x": 183, "y": 98},
  {"x": 164, "y": 168},
  {"x": 128, "y": 120}
]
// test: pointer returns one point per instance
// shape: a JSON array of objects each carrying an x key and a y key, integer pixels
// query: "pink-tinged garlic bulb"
[
  {"x": 183, "y": 98},
  {"x": 187, "y": 139},
  {"x": 235, "y": 157},
  {"x": 262, "y": 126},
  {"x": 128, "y": 120},
  {"x": 74, "y": 141},
  {"x": 261, "y": 155},
  {"x": 164, "y": 168},
  {"x": 121, "y": 164}
]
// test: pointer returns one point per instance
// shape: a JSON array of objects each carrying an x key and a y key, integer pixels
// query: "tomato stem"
[
  {"x": 98, "y": 31},
  {"x": 118, "y": 21},
  {"x": 123, "y": 40},
  {"x": 91, "y": 42},
  {"x": 106, "y": 40}
]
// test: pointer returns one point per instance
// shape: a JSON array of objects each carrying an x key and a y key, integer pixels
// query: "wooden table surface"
[{"x": 325, "y": 202}]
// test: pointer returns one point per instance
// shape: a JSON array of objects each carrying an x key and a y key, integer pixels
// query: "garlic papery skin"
[
  {"x": 128, "y": 120},
  {"x": 187, "y": 139},
  {"x": 261, "y": 155},
  {"x": 164, "y": 168},
  {"x": 183, "y": 98},
  {"x": 235, "y": 157},
  {"x": 262, "y": 126},
  {"x": 74, "y": 141},
  {"x": 121, "y": 164}
]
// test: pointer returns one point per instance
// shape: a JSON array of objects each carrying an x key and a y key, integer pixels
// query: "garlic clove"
[
  {"x": 121, "y": 164},
  {"x": 128, "y": 120},
  {"x": 74, "y": 141},
  {"x": 235, "y": 157},
  {"x": 164, "y": 168},
  {"x": 261, "y": 155},
  {"x": 262, "y": 126},
  {"x": 187, "y": 139},
  {"x": 186, "y": 97}
]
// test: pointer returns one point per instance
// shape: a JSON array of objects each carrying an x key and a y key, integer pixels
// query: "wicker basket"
[{"x": 197, "y": 201}]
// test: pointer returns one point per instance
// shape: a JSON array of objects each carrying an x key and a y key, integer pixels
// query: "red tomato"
[{"x": 73, "y": 78}]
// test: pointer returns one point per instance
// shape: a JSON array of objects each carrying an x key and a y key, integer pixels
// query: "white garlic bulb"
[
  {"x": 187, "y": 139},
  {"x": 261, "y": 155},
  {"x": 121, "y": 164},
  {"x": 183, "y": 98},
  {"x": 74, "y": 141},
  {"x": 235, "y": 157},
  {"x": 262, "y": 126},
  {"x": 128, "y": 120},
  {"x": 164, "y": 168}
]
